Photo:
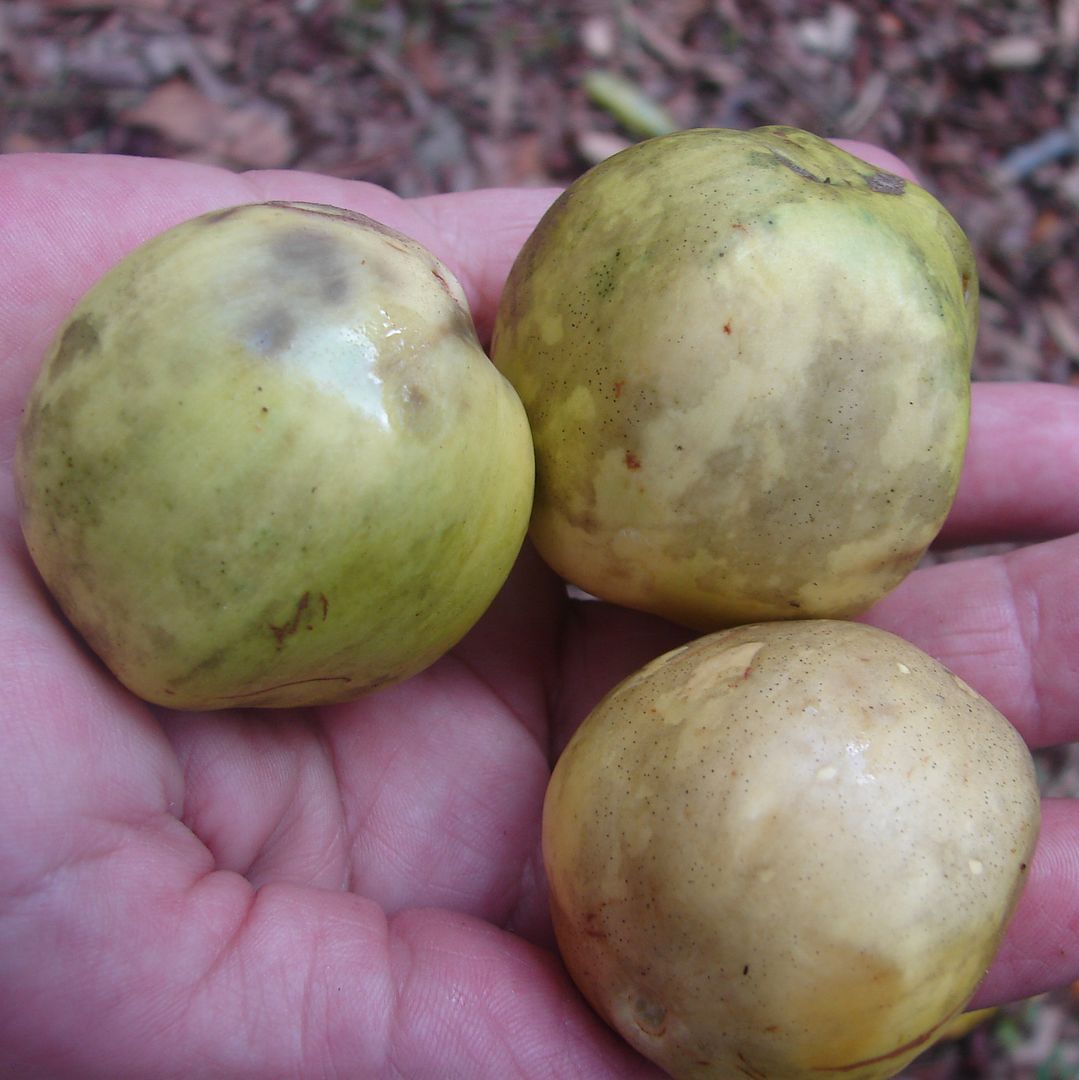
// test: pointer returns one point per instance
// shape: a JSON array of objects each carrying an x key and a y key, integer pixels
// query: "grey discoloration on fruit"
[
  {"x": 887, "y": 183},
  {"x": 800, "y": 170},
  {"x": 746, "y": 365},
  {"x": 318, "y": 256},
  {"x": 787, "y": 850},
  {"x": 277, "y": 402},
  {"x": 271, "y": 331}
]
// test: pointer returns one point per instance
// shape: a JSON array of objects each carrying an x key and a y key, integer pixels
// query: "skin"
[
  {"x": 787, "y": 851},
  {"x": 296, "y": 398},
  {"x": 357, "y": 890},
  {"x": 745, "y": 357}
]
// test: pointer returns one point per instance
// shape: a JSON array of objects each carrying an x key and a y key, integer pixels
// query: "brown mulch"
[{"x": 982, "y": 99}]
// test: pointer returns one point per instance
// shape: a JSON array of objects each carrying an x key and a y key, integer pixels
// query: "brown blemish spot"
[
  {"x": 632, "y": 461},
  {"x": 443, "y": 282},
  {"x": 289, "y": 628},
  {"x": 886, "y": 183},
  {"x": 593, "y": 923},
  {"x": 619, "y": 386},
  {"x": 727, "y": 327},
  {"x": 79, "y": 338}
]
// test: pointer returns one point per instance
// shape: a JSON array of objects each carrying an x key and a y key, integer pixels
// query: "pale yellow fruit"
[
  {"x": 267, "y": 462},
  {"x": 787, "y": 851},
  {"x": 745, "y": 357}
]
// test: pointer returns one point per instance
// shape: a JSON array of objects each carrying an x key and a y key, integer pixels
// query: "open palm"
[{"x": 357, "y": 890}]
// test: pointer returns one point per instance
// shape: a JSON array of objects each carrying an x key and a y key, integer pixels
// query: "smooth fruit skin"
[
  {"x": 787, "y": 851},
  {"x": 267, "y": 462},
  {"x": 746, "y": 358}
]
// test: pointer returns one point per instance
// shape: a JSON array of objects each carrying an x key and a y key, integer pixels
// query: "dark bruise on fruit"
[
  {"x": 272, "y": 330},
  {"x": 79, "y": 339},
  {"x": 320, "y": 257}
]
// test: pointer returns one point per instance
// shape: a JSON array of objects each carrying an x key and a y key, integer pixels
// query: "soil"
[{"x": 981, "y": 99}]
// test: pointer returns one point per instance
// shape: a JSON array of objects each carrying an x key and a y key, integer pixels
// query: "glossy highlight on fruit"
[
  {"x": 787, "y": 851},
  {"x": 267, "y": 462},
  {"x": 745, "y": 358}
]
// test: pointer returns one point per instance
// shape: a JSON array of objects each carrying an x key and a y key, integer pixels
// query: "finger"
[
  {"x": 875, "y": 155},
  {"x": 1038, "y": 952},
  {"x": 1007, "y": 625},
  {"x": 1021, "y": 475}
]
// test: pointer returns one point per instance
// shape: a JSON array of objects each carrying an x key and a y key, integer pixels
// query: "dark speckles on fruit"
[{"x": 78, "y": 340}]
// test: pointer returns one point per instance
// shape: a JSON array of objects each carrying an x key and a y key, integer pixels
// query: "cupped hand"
[{"x": 357, "y": 890}]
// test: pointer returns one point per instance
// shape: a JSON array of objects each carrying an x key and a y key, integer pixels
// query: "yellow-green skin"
[
  {"x": 787, "y": 851},
  {"x": 745, "y": 357},
  {"x": 267, "y": 462}
]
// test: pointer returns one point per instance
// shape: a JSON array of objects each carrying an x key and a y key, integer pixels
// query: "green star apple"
[{"x": 267, "y": 462}]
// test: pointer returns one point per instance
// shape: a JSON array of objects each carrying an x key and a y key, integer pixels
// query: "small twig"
[{"x": 628, "y": 104}]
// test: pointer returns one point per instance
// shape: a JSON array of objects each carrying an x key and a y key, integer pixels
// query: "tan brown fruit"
[{"x": 787, "y": 851}]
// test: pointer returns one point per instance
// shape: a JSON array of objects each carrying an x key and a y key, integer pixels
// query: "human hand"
[{"x": 358, "y": 890}]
